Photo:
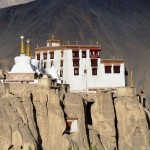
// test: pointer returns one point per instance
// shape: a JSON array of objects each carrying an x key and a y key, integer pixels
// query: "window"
[
  {"x": 94, "y": 71},
  {"x": 85, "y": 71},
  {"x": 107, "y": 69},
  {"x": 61, "y": 63},
  {"x": 75, "y": 62},
  {"x": 52, "y": 63},
  {"x": 45, "y": 55},
  {"x": 76, "y": 71},
  {"x": 93, "y": 62},
  {"x": 94, "y": 54},
  {"x": 75, "y": 53},
  {"x": 83, "y": 54},
  {"x": 44, "y": 65},
  {"x": 116, "y": 69},
  {"x": 38, "y": 56},
  {"x": 61, "y": 73},
  {"x": 51, "y": 55},
  {"x": 62, "y": 53}
]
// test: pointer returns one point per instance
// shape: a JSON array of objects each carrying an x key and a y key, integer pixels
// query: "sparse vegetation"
[
  {"x": 70, "y": 147},
  {"x": 93, "y": 147}
]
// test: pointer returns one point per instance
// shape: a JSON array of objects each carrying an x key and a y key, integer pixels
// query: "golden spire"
[
  {"x": 131, "y": 77},
  {"x": 22, "y": 45},
  {"x": 28, "y": 48}
]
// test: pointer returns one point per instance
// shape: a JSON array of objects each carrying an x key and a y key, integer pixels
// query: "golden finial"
[
  {"x": 22, "y": 45},
  {"x": 131, "y": 77},
  {"x": 28, "y": 48}
]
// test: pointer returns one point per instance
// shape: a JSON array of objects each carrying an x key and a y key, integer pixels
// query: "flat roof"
[{"x": 65, "y": 47}]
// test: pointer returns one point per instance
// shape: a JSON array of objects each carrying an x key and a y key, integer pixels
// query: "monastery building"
[{"x": 80, "y": 66}]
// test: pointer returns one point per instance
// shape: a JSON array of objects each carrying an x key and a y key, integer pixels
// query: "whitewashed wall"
[{"x": 83, "y": 82}]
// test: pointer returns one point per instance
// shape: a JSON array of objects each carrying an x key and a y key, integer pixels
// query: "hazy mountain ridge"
[{"x": 121, "y": 27}]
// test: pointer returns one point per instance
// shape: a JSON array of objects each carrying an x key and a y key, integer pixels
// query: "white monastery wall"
[{"x": 84, "y": 81}]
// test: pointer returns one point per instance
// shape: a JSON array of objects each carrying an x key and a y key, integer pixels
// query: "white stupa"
[
  {"x": 23, "y": 71},
  {"x": 22, "y": 62}
]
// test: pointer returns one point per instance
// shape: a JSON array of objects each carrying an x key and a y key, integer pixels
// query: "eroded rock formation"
[{"x": 34, "y": 117}]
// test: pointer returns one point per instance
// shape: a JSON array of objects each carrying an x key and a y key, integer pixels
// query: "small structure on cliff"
[{"x": 80, "y": 66}]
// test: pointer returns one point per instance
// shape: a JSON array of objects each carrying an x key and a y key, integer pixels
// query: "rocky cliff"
[
  {"x": 120, "y": 26},
  {"x": 34, "y": 117}
]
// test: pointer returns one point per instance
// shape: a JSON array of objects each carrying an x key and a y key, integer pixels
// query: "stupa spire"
[
  {"x": 28, "y": 48},
  {"x": 22, "y": 45}
]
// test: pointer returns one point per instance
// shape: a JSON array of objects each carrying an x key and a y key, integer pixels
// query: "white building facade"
[{"x": 80, "y": 66}]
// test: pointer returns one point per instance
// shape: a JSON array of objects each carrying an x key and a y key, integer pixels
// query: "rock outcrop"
[
  {"x": 103, "y": 117},
  {"x": 132, "y": 126},
  {"x": 35, "y": 117},
  {"x": 17, "y": 125}
]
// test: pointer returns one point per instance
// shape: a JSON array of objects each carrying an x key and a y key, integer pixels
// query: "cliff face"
[
  {"x": 121, "y": 27},
  {"x": 35, "y": 117}
]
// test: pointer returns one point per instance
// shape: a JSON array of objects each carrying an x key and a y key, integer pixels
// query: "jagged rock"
[
  {"x": 15, "y": 132},
  {"x": 35, "y": 116},
  {"x": 50, "y": 120},
  {"x": 74, "y": 107},
  {"x": 103, "y": 117},
  {"x": 95, "y": 139},
  {"x": 131, "y": 122}
]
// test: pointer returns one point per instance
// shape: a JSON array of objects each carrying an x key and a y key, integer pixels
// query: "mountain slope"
[{"x": 121, "y": 27}]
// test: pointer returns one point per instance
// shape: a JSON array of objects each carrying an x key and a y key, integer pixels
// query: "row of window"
[
  {"x": 75, "y": 54},
  {"x": 45, "y": 55},
  {"x": 93, "y": 62},
  {"x": 116, "y": 69},
  {"x": 94, "y": 70},
  {"x": 75, "y": 63},
  {"x": 93, "y": 54},
  {"x": 108, "y": 69}
]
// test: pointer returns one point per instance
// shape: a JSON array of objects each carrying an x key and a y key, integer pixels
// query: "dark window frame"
[
  {"x": 52, "y": 63},
  {"x": 62, "y": 53},
  {"x": 94, "y": 53},
  {"x": 108, "y": 69},
  {"x": 116, "y": 69},
  {"x": 61, "y": 73},
  {"x": 76, "y": 71},
  {"x": 83, "y": 54},
  {"x": 61, "y": 63},
  {"x": 38, "y": 56},
  {"x": 94, "y": 62},
  {"x": 51, "y": 55},
  {"x": 94, "y": 71},
  {"x": 75, "y": 54},
  {"x": 45, "y": 65},
  {"x": 76, "y": 62},
  {"x": 44, "y": 56}
]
